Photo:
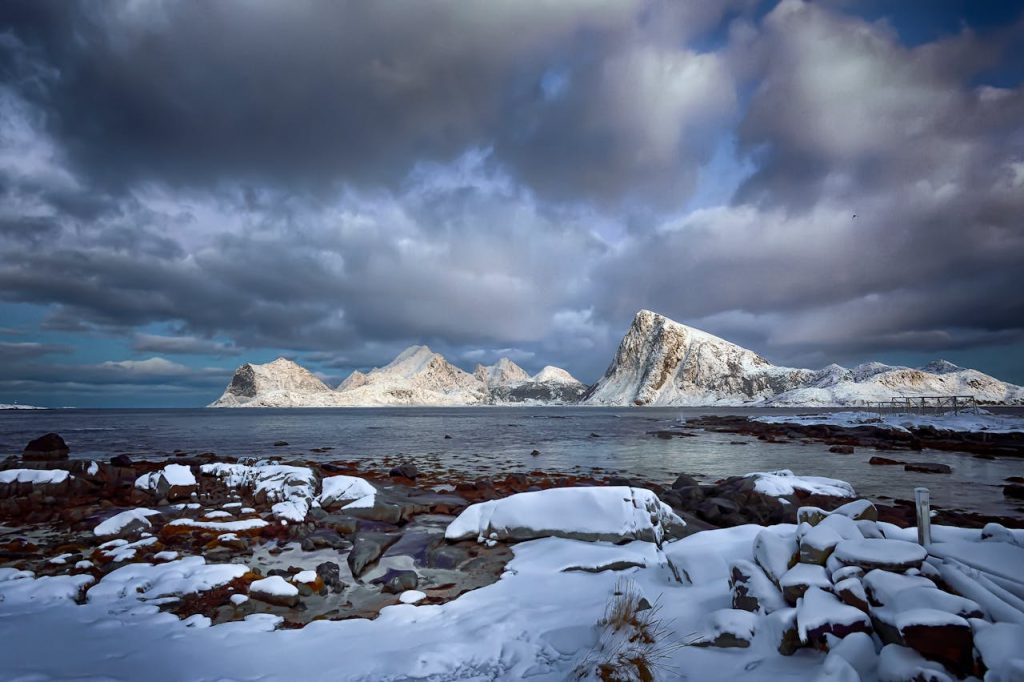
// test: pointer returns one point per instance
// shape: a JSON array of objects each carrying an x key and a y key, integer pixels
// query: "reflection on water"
[{"x": 497, "y": 440}]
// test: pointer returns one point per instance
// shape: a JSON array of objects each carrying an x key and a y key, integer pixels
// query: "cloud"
[
  {"x": 336, "y": 181},
  {"x": 24, "y": 350},
  {"x": 186, "y": 345}
]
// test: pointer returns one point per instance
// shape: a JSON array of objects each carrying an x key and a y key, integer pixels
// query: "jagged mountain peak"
[
  {"x": 557, "y": 375},
  {"x": 504, "y": 372},
  {"x": 941, "y": 367}
]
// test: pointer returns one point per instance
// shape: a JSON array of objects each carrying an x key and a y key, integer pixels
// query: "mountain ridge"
[{"x": 659, "y": 362}]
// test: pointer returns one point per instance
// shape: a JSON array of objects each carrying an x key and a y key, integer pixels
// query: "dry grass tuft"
[{"x": 631, "y": 646}]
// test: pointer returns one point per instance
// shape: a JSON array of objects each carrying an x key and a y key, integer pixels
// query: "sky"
[{"x": 187, "y": 186}]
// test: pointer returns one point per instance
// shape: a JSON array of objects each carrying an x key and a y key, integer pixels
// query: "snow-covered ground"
[
  {"x": 963, "y": 422},
  {"x": 542, "y": 620}
]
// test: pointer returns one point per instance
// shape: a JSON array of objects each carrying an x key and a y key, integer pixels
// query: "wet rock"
[
  {"x": 1014, "y": 490},
  {"x": 841, "y": 449},
  {"x": 685, "y": 481},
  {"x": 367, "y": 548},
  {"x": 280, "y": 443},
  {"x": 883, "y": 461},
  {"x": 443, "y": 555},
  {"x": 330, "y": 573},
  {"x": 928, "y": 467},
  {"x": 47, "y": 448},
  {"x": 535, "y": 453},
  {"x": 397, "y": 581},
  {"x": 407, "y": 470},
  {"x": 121, "y": 461}
]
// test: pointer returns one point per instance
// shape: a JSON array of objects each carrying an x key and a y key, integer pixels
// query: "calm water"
[{"x": 494, "y": 440}]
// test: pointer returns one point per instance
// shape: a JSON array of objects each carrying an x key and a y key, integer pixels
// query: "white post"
[{"x": 924, "y": 516}]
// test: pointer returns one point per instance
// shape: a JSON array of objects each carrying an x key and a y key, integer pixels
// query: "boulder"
[
  {"x": 797, "y": 580},
  {"x": 397, "y": 581},
  {"x": 883, "y": 461},
  {"x": 728, "y": 628},
  {"x": 275, "y": 590},
  {"x": 820, "y": 613},
  {"x": 900, "y": 664},
  {"x": 121, "y": 461},
  {"x": 928, "y": 467},
  {"x": 610, "y": 514},
  {"x": 330, "y": 574},
  {"x": 936, "y": 635},
  {"x": 851, "y": 592},
  {"x": 47, "y": 448},
  {"x": 752, "y": 590},
  {"x": 407, "y": 470},
  {"x": 367, "y": 548},
  {"x": 858, "y": 510},
  {"x": 841, "y": 449},
  {"x": 1014, "y": 490},
  {"x": 685, "y": 481},
  {"x": 871, "y": 553},
  {"x": 775, "y": 553}
]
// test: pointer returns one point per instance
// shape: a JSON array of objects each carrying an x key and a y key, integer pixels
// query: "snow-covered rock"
[
  {"x": 125, "y": 523},
  {"x": 784, "y": 482},
  {"x": 34, "y": 476},
  {"x": 662, "y": 362},
  {"x": 174, "y": 481},
  {"x": 348, "y": 490},
  {"x": 612, "y": 514}
]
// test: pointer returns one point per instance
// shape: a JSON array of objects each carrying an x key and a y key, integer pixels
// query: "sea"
[{"x": 493, "y": 441}]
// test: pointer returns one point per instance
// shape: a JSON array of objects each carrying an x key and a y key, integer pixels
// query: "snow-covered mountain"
[
  {"x": 502, "y": 373},
  {"x": 550, "y": 386},
  {"x": 662, "y": 362},
  {"x": 281, "y": 383},
  {"x": 418, "y": 376}
]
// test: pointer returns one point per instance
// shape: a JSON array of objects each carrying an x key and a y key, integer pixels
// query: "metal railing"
[{"x": 928, "y": 404}]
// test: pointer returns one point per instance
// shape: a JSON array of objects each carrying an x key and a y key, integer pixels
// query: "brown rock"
[{"x": 46, "y": 448}]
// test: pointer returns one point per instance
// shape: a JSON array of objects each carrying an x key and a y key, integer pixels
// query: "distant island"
[{"x": 659, "y": 362}]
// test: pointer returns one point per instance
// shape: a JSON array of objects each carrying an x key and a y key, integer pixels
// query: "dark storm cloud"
[
  {"x": 339, "y": 180},
  {"x": 885, "y": 209},
  {"x": 308, "y": 93}
]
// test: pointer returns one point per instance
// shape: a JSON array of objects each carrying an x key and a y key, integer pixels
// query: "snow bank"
[
  {"x": 612, "y": 514},
  {"x": 784, "y": 482},
  {"x": 174, "y": 475},
  {"x": 146, "y": 582},
  {"x": 34, "y": 476}
]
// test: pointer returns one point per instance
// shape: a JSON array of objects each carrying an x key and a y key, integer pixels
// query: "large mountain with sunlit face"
[
  {"x": 662, "y": 362},
  {"x": 418, "y": 376}
]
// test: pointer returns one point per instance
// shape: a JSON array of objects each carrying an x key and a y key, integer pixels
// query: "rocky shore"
[
  {"x": 288, "y": 542},
  {"x": 343, "y": 540}
]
